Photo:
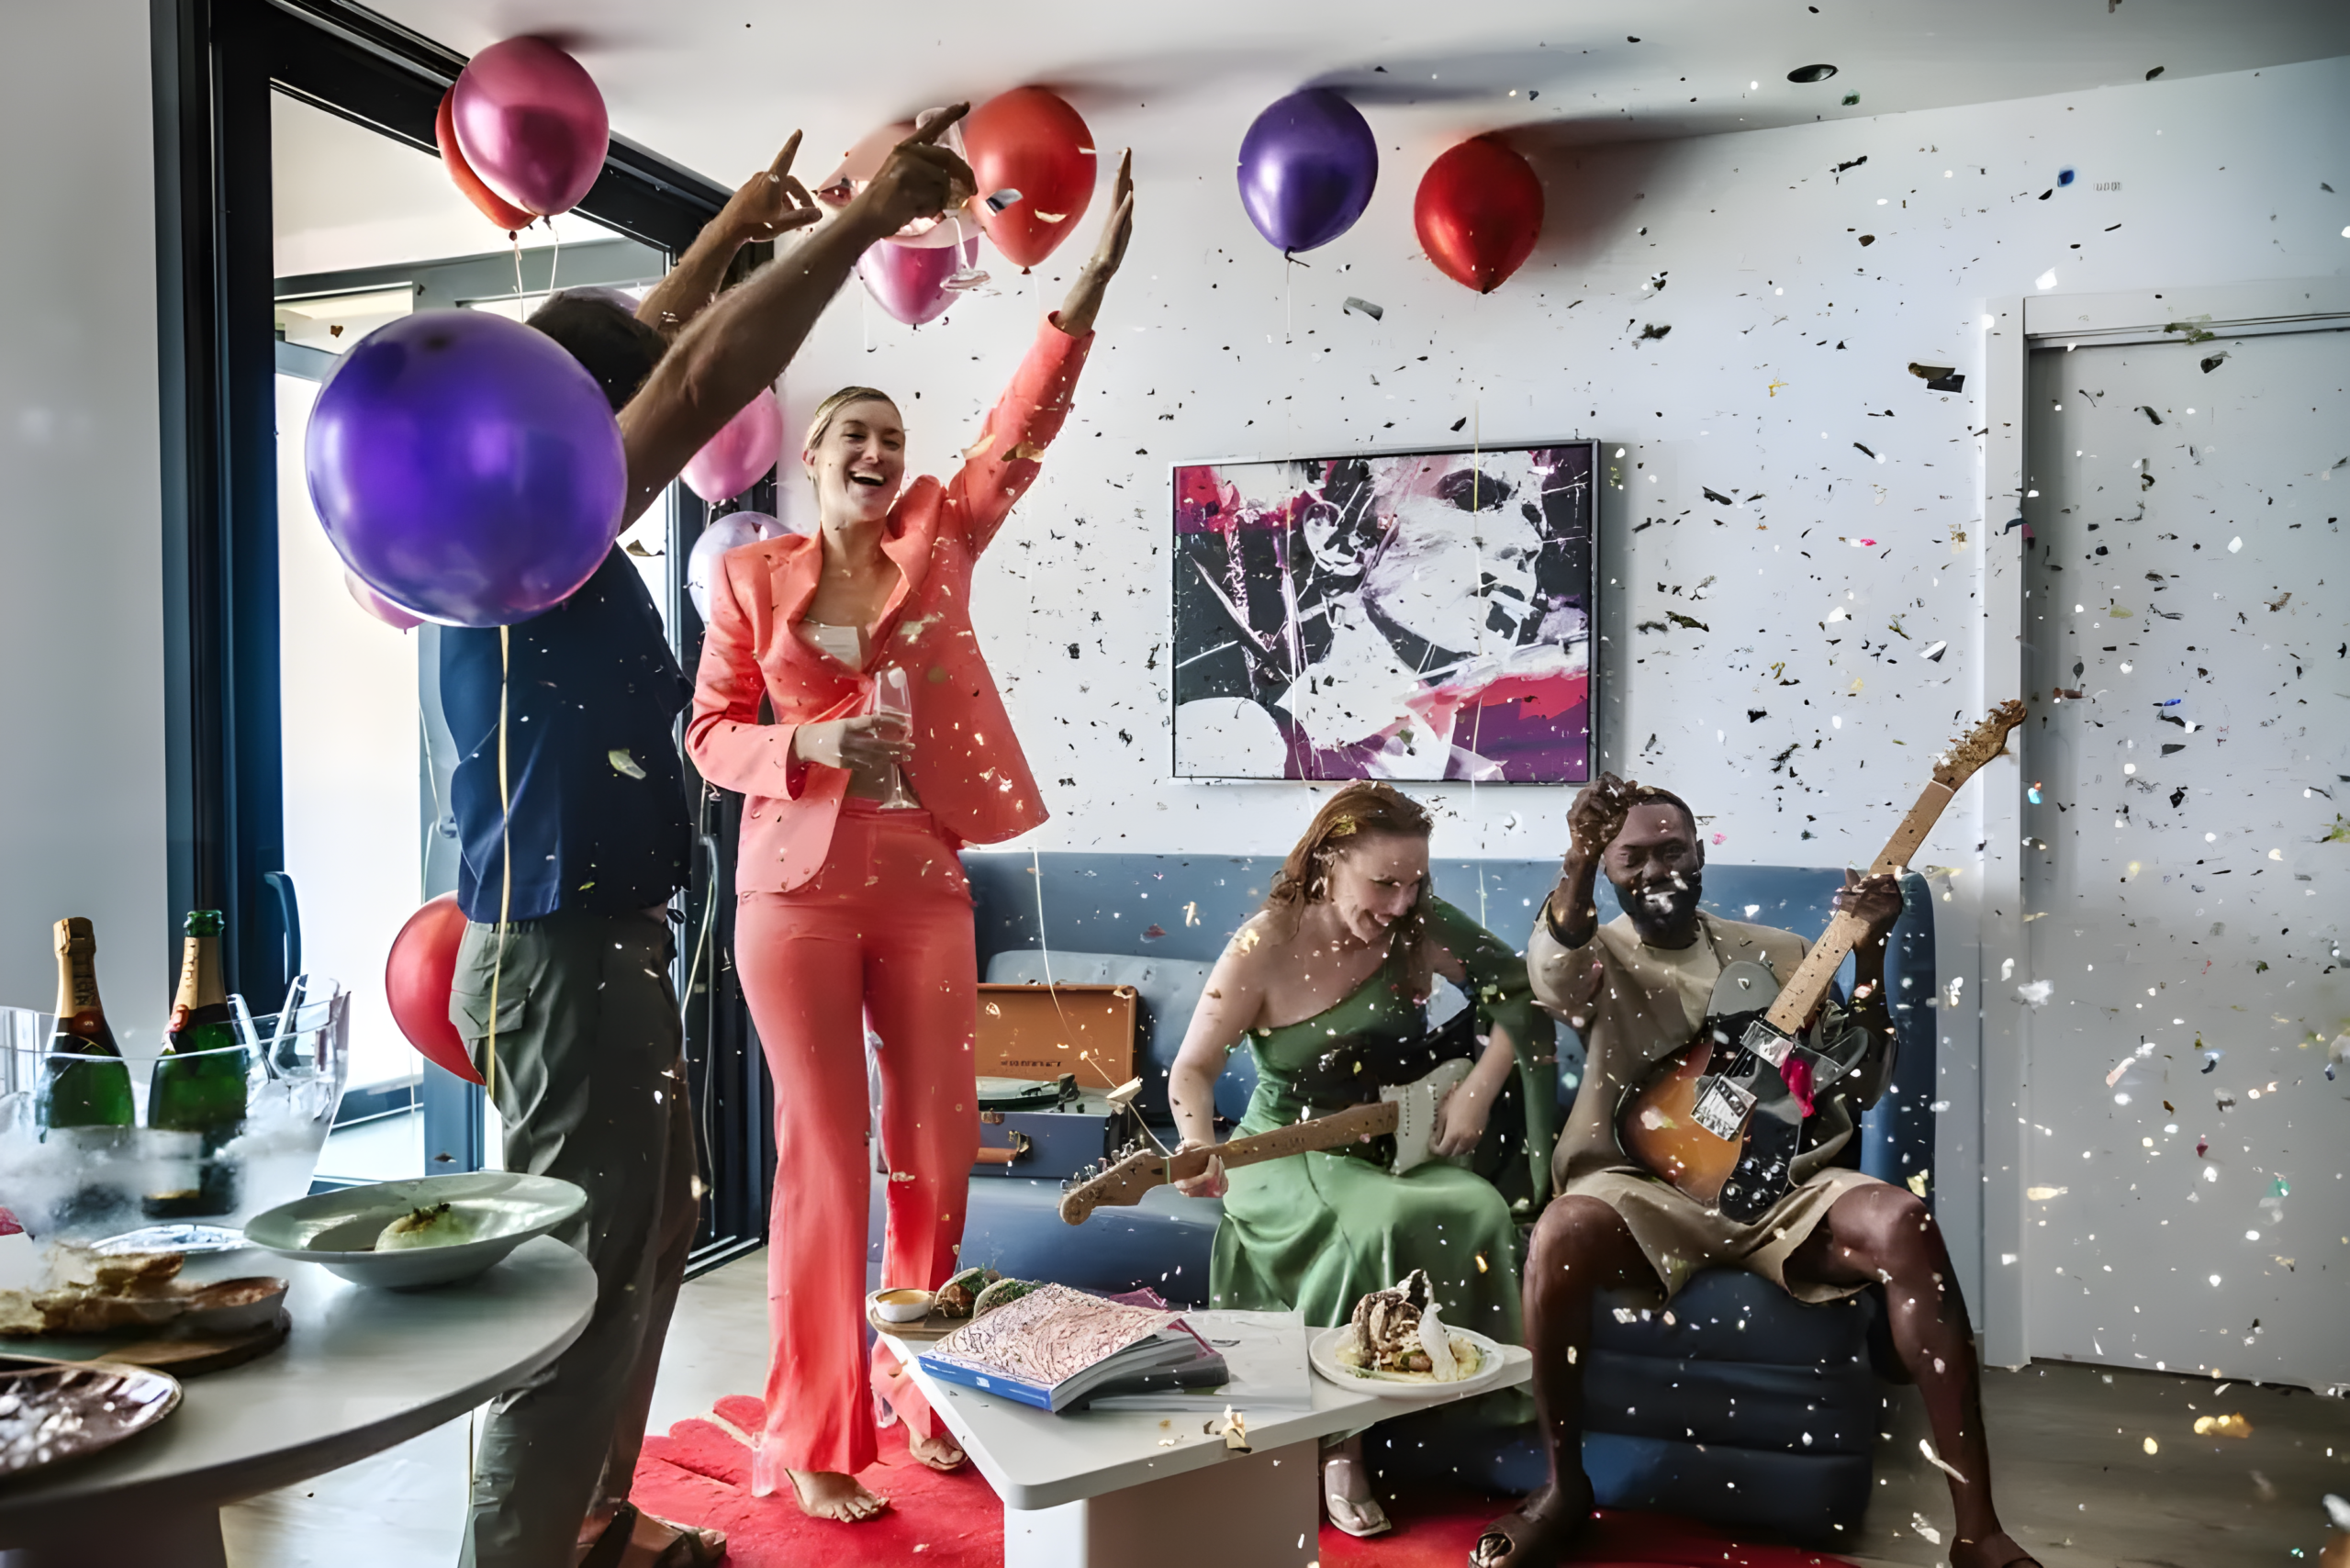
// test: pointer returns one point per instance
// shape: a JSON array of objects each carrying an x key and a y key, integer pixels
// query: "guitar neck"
[
  {"x": 1802, "y": 993},
  {"x": 1333, "y": 1131}
]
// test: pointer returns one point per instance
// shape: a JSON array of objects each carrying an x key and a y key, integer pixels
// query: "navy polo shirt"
[{"x": 599, "y": 821}]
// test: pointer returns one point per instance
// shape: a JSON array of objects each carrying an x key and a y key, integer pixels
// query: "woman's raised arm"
[{"x": 1001, "y": 463}]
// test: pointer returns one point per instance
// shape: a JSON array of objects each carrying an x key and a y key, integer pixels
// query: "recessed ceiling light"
[{"x": 1811, "y": 73}]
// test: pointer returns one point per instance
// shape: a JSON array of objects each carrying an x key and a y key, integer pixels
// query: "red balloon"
[
  {"x": 1479, "y": 212},
  {"x": 461, "y": 175},
  {"x": 376, "y": 605},
  {"x": 1030, "y": 140},
  {"x": 418, "y": 979}
]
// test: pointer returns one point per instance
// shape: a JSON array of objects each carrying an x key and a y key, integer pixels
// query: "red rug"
[{"x": 700, "y": 1473}]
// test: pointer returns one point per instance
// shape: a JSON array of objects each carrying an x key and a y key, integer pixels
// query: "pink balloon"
[
  {"x": 376, "y": 605},
  {"x": 907, "y": 280},
  {"x": 738, "y": 456},
  {"x": 531, "y": 124}
]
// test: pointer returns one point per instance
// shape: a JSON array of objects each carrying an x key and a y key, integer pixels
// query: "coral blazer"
[{"x": 967, "y": 766}]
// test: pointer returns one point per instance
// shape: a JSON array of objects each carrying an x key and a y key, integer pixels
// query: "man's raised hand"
[
  {"x": 771, "y": 202},
  {"x": 1599, "y": 813},
  {"x": 920, "y": 179}
]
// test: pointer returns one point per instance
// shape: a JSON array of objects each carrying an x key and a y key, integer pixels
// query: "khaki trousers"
[{"x": 590, "y": 1081}]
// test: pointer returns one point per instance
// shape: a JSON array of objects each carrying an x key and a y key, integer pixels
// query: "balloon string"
[
  {"x": 505, "y": 856},
  {"x": 1477, "y": 543},
  {"x": 514, "y": 237},
  {"x": 556, "y": 260}
]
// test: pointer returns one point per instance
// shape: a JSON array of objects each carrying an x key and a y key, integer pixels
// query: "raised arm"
[
  {"x": 1001, "y": 463},
  {"x": 743, "y": 342},
  {"x": 768, "y": 204}
]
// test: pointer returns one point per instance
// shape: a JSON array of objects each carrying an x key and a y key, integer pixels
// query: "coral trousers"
[{"x": 882, "y": 933}]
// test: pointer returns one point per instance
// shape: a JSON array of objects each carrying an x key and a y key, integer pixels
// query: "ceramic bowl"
[
  {"x": 338, "y": 1230},
  {"x": 901, "y": 1305}
]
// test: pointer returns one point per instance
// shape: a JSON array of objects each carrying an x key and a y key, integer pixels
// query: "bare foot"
[
  {"x": 829, "y": 1495},
  {"x": 939, "y": 1453},
  {"x": 1997, "y": 1549}
]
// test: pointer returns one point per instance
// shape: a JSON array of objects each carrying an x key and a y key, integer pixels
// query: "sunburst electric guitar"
[{"x": 1726, "y": 1133}]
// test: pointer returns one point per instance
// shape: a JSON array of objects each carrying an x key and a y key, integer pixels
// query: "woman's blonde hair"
[
  {"x": 1362, "y": 808},
  {"x": 831, "y": 407}
]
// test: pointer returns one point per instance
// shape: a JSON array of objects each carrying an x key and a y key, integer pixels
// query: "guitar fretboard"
[
  {"x": 1801, "y": 994},
  {"x": 1299, "y": 1138}
]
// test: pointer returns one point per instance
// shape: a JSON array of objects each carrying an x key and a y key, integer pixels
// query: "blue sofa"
[{"x": 1739, "y": 1406}]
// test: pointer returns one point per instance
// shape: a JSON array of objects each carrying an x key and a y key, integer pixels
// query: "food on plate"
[
  {"x": 960, "y": 1293},
  {"x": 440, "y": 1224},
  {"x": 84, "y": 1293},
  {"x": 1399, "y": 1335},
  {"x": 1000, "y": 1293}
]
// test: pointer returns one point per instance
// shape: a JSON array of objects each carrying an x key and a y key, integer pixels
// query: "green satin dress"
[{"x": 1318, "y": 1231}]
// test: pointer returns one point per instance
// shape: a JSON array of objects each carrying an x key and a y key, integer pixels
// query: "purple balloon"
[
  {"x": 908, "y": 280},
  {"x": 732, "y": 532},
  {"x": 1307, "y": 167},
  {"x": 466, "y": 467}
]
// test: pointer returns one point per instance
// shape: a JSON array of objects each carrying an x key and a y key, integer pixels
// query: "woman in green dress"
[{"x": 1347, "y": 945}]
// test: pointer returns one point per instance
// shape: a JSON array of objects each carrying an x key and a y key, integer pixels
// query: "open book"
[
  {"x": 1257, "y": 1362},
  {"x": 1054, "y": 1345}
]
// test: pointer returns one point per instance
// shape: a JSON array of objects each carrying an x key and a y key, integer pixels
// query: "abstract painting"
[{"x": 1417, "y": 616}]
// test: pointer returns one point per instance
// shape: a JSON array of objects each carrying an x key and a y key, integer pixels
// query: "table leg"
[
  {"x": 1259, "y": 1511},
  {"x": 189, "y": 1538}
]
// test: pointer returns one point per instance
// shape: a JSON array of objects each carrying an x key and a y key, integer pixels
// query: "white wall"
[
  {"x": 81, "y": 638},
  {"x": 1790, "y": 342}
]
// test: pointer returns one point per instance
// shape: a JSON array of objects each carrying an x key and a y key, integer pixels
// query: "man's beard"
[{"x": 1665, "y": 904}]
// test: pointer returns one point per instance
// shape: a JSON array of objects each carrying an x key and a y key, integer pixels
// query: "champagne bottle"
[
  {"x": 84, "y": 1083},
  {"x": 199, "y": 1080}
]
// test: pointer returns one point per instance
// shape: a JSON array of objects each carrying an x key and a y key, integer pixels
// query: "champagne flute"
[{"x": 893, "y": 701}]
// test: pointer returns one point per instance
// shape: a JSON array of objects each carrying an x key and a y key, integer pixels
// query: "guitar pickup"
[
  {"x": 1722, "y": 1109},
  {"x": 1768, "y": 1043}
]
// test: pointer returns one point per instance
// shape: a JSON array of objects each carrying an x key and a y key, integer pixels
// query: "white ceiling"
[
  {"x": 717, "y": 84},
  {"x": 342, "y": 196}
]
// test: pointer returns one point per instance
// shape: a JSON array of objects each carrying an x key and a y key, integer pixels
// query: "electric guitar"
[
  {"x": 1407, "y": 1111},
  {"x": 1694, "y": 1121}
]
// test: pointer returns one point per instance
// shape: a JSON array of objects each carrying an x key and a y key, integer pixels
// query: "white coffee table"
[{"x": 1131, "y": 1489}]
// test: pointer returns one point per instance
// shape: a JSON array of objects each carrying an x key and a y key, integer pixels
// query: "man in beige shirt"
[{"x": 1637, "y": 991}]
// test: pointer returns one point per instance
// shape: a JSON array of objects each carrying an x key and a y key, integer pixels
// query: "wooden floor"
[{"x": 2074, "y": 1480}]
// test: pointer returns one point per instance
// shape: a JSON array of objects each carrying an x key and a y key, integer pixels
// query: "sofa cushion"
[
  {"x": 1822, "y": 1409},
  {"x": 1169, "y": 990},
  {"x": 1728, "y": 1314},
  {"x": 1013, "y": 1226}
]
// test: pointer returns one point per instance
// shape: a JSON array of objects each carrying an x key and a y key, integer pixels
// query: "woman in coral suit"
[{"x": 852, "y": 902}]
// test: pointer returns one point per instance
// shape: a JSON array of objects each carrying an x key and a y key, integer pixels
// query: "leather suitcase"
[{"x": 1042, "y": 1032}]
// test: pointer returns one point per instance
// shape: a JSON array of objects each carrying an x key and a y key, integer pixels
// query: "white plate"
[
  {"x": 338, "y": 1229},
  {"x": 1323, "y": 1351}
]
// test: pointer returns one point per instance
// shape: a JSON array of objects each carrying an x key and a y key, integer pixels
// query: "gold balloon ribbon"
[{"x": 505, "y": 859}]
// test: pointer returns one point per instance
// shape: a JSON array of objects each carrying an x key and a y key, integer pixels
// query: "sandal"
[
  {"x": 1533, "y": 1535},
  {"x": 692, "y": 1546},
  {"x": 1361, "y": 1520},
  {"x": 2000, "y": 1551},
  {"x": 612, "y": 1544}
]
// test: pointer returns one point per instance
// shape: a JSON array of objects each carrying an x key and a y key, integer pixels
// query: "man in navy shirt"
[{"x": 583, "y": 1041}]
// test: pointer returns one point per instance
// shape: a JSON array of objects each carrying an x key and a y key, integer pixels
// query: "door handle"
[{"x": 289, "y": 917}]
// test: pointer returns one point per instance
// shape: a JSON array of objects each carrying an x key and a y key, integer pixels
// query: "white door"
[{"x": 2185, "y": 872}]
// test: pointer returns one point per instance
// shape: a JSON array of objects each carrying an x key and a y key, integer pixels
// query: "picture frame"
[{"x": 1419, "y": 614}]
